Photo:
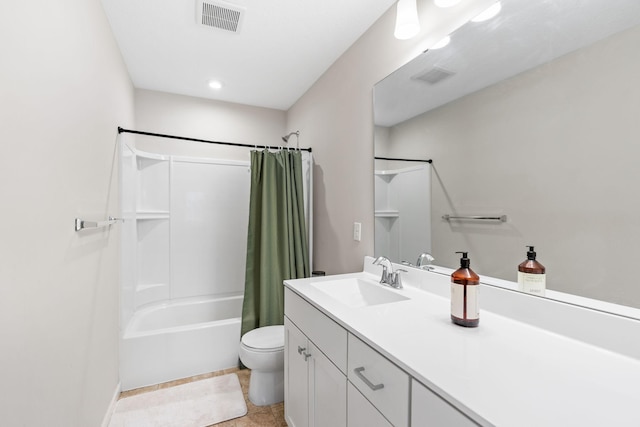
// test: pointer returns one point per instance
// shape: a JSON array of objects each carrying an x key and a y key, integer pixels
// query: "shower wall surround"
[
  {"x": 184, "y": 247},
  {"x": 402, "y": 210},
  {"x": 183, "y": 242},
  {"x": 187, "y": 220}
]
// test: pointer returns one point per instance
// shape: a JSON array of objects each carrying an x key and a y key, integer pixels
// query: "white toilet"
[{"x": 262, "y": 351}]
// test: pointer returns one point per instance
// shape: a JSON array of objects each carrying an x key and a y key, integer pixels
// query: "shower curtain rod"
[
  {"x": 404, "y": 160},
  {"x": 184, "y": 138}
]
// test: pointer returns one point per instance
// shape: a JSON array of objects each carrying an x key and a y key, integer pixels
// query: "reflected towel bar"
[
  {"x": 502, "y": 218},
  {"x": 81, "y": 224}
]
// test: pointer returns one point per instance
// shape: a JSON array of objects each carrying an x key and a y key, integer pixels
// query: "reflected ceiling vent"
[
  {"x": 220, "y": 15},
  {"x": 434, "y": 75}
]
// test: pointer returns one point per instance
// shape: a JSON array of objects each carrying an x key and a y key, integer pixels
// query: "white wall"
[
  {"x": 63, "y": 91},
  {"x": 555, "y": 149},
  {"x": 335, "y": 117},
  {"x": 199, "y": 118}
]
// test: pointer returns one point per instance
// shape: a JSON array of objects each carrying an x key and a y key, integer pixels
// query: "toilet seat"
[{"x": 266, "y": 339}]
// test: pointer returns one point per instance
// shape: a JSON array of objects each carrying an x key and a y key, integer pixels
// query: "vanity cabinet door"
[
  {"x": 315, "y": 389},
  {"x": 327, "y": 392},
  {"x": 296, "y": 380},
  {"x": 429, "y": 409}
]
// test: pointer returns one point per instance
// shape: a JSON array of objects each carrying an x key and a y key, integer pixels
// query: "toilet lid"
[{"x": 267, "y": 337}]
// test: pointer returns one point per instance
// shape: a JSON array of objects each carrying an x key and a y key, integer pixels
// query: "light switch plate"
[{"x": 357, "y": 231}]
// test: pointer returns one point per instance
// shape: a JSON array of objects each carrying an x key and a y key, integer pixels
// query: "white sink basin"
[{"x": 355, "y": 292}]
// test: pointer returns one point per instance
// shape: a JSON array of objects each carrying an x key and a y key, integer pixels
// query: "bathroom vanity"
[{"x": 358, "y": 353}]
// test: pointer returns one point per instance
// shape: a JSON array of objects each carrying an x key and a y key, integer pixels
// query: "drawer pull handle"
[
  {"x": 371, "y": 385},
  {"x": 301, "y": 349}
]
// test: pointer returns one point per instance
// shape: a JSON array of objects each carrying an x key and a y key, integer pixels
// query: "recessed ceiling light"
[
  {"x": 215, "y": 84},
  {"x": 488, "y": 13},
  {"x": 442, "y": 43},
  {"x": 446, "y": 3}
]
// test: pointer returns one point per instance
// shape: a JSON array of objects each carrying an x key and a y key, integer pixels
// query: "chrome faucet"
[
  {"x": 424, "y": 261},
  {"x": 389, "y": 277}
]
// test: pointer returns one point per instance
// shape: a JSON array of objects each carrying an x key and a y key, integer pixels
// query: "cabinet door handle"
[
  {"x": 371, "y": 385},
  {"x": 302, "y": 351}
]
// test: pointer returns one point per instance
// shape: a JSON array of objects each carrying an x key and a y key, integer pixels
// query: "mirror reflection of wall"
[{"x": 555, "y": 149}]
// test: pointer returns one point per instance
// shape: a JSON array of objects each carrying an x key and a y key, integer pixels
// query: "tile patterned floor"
[{"x": 257, "y": 416}]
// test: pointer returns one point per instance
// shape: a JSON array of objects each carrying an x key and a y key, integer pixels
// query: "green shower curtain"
[{"x": 277, "y": 241}]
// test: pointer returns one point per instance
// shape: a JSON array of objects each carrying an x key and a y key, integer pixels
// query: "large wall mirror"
[{"x": 533, "y": 115}]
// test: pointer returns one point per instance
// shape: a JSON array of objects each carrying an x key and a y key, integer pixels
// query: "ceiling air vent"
[
  {"x": 220, "y": 15},
  {"x": 434, "y": 75}
]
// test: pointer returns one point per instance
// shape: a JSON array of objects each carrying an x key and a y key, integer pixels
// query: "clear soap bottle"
[
  {"x": 532, "y": 276},
  {"x": 464, "y": 294}
]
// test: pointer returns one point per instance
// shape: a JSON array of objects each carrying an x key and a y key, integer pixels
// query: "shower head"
[{"x": 286, "y": 137}]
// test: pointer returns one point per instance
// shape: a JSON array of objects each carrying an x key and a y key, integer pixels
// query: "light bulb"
[
  {"x": 407, "y": 24},
  {"x": 215, "y": 84}
]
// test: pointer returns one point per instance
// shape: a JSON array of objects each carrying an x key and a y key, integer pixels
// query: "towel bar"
[
  {"x": 502, "y": 218},
  {"x": 81, "y": 224}
]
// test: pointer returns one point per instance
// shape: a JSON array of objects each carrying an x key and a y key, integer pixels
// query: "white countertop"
[{"x": 505, "y": 372}]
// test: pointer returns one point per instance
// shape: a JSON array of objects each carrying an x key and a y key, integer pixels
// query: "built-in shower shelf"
[
  {"x": 145, "y": 287},
  {"x": 393, "y": 172},
  {"x": 148, "y": 293},
  {"x": 152, "y": 215},
  {"x": 387, "y": 213}
]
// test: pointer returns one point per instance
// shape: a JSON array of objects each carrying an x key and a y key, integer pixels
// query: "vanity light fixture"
[
  {"x": 489, "y": 13},
  {"x": 407, "y": 25},
  {"x": 446, "y": 3},
  {"x": 215, "y": 84}
]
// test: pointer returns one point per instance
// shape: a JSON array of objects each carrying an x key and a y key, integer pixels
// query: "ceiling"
[
  {"x": 281, "y": 48},
  {"x": 523, "y": 36}
]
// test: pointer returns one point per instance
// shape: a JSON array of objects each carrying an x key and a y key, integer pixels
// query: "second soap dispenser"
[
  {"x": 464, "y": 294},
  {"x": 532, "y": 276}
]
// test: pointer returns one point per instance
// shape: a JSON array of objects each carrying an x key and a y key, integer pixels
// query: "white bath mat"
[{"x": 195, "y": 404}]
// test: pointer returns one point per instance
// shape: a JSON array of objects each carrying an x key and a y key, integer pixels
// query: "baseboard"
[{"x": 112, "y": 406}]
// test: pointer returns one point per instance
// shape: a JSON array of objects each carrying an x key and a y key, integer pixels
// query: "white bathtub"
[{"x": 176, "y": 340}]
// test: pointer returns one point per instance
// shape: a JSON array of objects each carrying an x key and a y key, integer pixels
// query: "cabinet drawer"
[
  {"x": 320, "y": 329},
  {"x": 361, "y": 412},
  {"x": 384, "y": 384},
  {"x": 429, "y": 409}
]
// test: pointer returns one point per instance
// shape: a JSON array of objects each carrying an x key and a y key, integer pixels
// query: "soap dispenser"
[
  {"x": 532, "y": 276},
  {"x": 464, "y": 294}
]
